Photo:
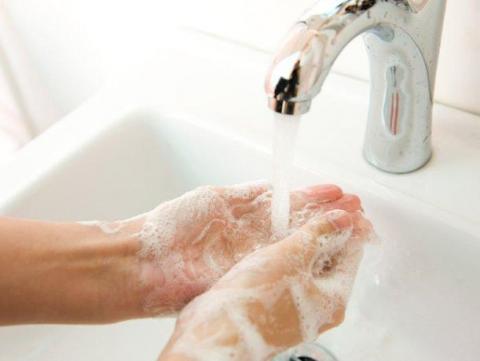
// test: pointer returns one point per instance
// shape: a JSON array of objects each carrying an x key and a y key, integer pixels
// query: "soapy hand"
[
  {"x": 153, "y": 264},
  {"x": 190, "y": 242},
  {"x": 277, "y": 297}
]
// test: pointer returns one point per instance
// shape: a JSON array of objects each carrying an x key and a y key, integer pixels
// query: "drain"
[
  {"x": 307, "y": 352},
  {"x": 302, "y": 358}
]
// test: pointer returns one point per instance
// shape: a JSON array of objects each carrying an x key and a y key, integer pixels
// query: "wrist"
[
  {"x": 96, "y": 273},
  {"x": 162, "y": 284},
  {"x": 138, "y": 276},
  {"x": 116, "y": 271}
]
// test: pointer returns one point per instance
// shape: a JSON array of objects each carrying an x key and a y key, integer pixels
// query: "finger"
[
  {"x": 339, "y": 278},
  {"x": 363, "y": 229},
  {"x": 303, "y": 212},
  {"x": 293, "y": 254},
  {"x": 312, "y": 196},
  {"x": 323, "y": 234},
  {"x": 317, "y": 194},
  {"x": 349, "y": 203},
  {"x": 323, "y": 192}
]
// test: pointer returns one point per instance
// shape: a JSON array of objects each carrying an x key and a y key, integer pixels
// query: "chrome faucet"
[{"x": 403, "y": 40}]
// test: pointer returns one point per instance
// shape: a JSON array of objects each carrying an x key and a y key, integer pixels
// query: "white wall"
[
  {"x": 77, "y": 45},
  {"x": 22, "y": 89}
]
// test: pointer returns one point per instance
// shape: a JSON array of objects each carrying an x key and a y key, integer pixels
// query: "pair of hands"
[
  {"x": 257, "y": 295},
  {"x": 210, "y": 255}
]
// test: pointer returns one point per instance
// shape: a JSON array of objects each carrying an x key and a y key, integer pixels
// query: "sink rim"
[{"x": 151, "y": 117}]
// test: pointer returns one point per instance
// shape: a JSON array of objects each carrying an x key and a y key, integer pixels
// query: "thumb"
[{"x": 324, "y": 234}]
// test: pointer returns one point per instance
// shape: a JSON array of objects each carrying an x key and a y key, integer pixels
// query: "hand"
[
  {"x": 277, "y": 297},
  {"x": 190, "y": 242},
  {"x": 148, "y": 265}
]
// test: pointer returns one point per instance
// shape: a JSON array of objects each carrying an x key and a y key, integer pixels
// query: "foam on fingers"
[
  {"x": 188, "y": 243},
  {"x": 275, "y": 298},
  {"x": 325, "y": 233},
  {"x": 245, "y": 191}
]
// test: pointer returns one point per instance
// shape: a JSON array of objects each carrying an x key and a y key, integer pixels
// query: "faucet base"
[
  {"x": 398, "y": 136},
  {"x": 395, "y": 168}
]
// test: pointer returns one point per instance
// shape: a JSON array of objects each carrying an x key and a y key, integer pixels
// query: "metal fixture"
[
  {"x": 311, "y": 351},
  {"x": 402, "y": 38}
]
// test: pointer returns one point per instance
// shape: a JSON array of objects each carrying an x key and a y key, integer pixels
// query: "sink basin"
[
  {"x": 127, "y": 149},
  {"x": 417, "y": 296}
]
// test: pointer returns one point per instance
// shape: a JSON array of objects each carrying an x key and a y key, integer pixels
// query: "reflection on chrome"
[{"x": 402, "y": 38}]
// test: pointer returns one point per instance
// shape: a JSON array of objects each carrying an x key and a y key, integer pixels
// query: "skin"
[
  {"x": 237, "y": 223},
  {"x": 207, "y": 323},
  {"x": 65, "y": 273},
  {"x": 79, "y": 273}
]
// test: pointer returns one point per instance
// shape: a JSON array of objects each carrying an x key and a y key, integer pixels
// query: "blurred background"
[{"x": 55, "y": 54}]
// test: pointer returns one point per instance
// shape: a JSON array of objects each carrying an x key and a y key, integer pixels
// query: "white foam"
[
  {"x": 308, "y": 313},
  {"x": 246, "y": 190},
  {"x": 253, "y": 341},
  {"x": 105, "y": 227},
  {"x": 317, "y": 299},
  {"x": 163, "y": 225},
  {"x": 199, "y": 221},
  {"x": 204, "y": 221}
]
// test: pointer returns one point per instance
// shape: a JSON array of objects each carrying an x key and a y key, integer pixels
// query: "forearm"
[{"x": 66, "y": 273}]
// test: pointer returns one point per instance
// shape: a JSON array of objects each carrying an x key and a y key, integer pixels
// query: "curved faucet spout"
[{"x": 402, "y": 39}]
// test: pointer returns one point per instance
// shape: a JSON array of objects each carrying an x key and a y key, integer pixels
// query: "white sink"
[
  {"x": 426, "y": 307},
  {"x": 420, "y": 302}
]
